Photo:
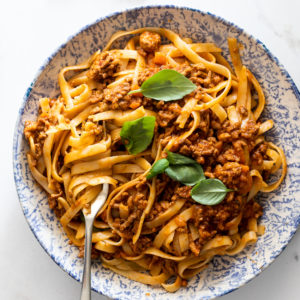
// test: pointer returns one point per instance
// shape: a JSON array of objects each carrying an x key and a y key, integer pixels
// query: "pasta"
[{"x": 152, "y": 229}]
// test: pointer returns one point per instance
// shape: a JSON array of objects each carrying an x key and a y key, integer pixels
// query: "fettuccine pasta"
[{"x": 152, "y": 231}]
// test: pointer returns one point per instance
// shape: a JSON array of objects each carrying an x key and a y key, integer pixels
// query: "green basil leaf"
[
  {"x": 137, "y": 135},
  {"x": 209, "y": 192},
  {"x": 158, "y": 168},
  {"x": 166, "y": 85},
  {"x": 186, "y": 174},
  {"x": 178, "y": 159}
]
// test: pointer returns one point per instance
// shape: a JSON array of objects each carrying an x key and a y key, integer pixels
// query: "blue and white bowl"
[{"x": 281, "y": 208}]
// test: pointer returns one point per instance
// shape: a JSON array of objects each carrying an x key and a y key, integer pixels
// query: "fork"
[{"x": 89, "y": 218}]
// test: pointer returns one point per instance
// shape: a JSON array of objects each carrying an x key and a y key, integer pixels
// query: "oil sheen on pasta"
[{"x": 152, "y": 231}]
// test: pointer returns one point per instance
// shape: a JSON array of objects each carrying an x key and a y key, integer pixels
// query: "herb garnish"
[
  {"x": 179, "y": 168},
  {"x": 166, "y": 85},
  {"x": 187, "y": 171},
  {"x": 137, "y": 135},
  {"x": 158, "y": 168},
  {"x": 184, "y": 169},
  {"x": 209, "y": 192},
  {"x": 178, "y": 159}
]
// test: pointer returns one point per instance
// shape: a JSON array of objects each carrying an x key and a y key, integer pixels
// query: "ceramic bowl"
[{"x": 281, "y": 207}]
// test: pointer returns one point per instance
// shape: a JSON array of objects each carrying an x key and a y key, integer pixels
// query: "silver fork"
[{"x": 89, "y": 221}]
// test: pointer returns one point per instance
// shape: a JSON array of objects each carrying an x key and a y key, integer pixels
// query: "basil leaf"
[
  {"x": 158, "y": 168},
  {"x": 186, "y": 174},
  {"x": 137, "y": 135},
  {"x": 209, "y": 192},
  {"x": 178, "y": 167},
  {"x": 166, "y": 85},
  {"x": 178, "y": 159}
]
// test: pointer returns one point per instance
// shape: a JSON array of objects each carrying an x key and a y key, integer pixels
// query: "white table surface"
[{"x": 29, "y": 32}]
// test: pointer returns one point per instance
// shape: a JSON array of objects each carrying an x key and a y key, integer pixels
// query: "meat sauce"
[{"x": 217, "y": 146}]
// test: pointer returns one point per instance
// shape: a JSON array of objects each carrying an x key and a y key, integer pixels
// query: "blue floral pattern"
[{"x": 281, "y": 207}]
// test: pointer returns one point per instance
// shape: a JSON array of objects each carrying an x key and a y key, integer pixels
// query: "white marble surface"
[{"x": 29, "y": 32}]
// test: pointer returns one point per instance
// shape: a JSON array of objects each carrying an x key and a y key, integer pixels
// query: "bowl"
[{"x": 281, "y": 207}]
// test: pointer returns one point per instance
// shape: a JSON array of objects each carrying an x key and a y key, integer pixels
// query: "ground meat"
[
  {"x": 147, "y": 73},
  {"x": 217, "y": 216},
  {"x": 182, "y": 192},
  {"x": 37, "y": 130},
  {"x": 52, "y": 202},
  {"x": 205, "y": 148},
  {"x": 193, "y": 247},
  {"x": 103, "y": 67},
  {"x": 258, "y": 154},
  {"x": 168, "y": 111},
  {"x": 230, "y": 132},
  {"x": 252, "y": 209},
  {"x": 250, "y": 130},
  {"x": 243, "y": 111},
  {"x": 150, "y": 41},
  {"x": 187, "y": 146},
  {"x": 158, "y": 208},
  {"x": 200, "y": 76},
  {"x": 52, "y": 199},
  {"x": 144, "y": 243},
  {"x": 116, "y": 98},
  {"x": 162, "y": 183},
  {"x": 136, "y": 201},
  {"x": 165, "y": 192},
  {"x": 235, "y": 176},
  {"x": 96, "y": 96},
  {"x": 209, "y": 220},
  {"x": 229, "y": 155}
]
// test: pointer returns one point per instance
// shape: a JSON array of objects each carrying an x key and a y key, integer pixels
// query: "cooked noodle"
[{"x": 152, "y": 231}]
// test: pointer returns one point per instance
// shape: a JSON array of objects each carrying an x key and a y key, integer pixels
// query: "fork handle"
[{"x": 86, "y": 277}]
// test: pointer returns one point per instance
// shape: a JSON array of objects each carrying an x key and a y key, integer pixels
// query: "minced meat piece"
[
  {"x": 104, "y": 66},
  {"x": 150, "y": 41},
  {"x": 235, "y": 176}
]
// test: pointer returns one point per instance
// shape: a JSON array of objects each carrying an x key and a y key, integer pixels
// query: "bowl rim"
[{"x": 217, "y": 18}]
